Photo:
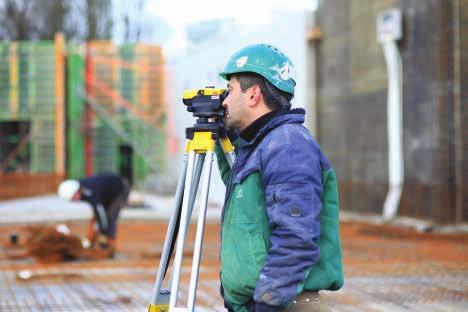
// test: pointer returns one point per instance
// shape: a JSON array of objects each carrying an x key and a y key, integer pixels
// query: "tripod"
[{"x": 199, "y": 150}]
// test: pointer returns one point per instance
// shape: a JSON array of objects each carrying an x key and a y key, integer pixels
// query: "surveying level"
[
  {"x": 201, "y": 139},
  {"x": 206, "y": 102}
]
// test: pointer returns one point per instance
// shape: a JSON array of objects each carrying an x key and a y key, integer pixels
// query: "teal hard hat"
[{"x": 265, "y": 60}]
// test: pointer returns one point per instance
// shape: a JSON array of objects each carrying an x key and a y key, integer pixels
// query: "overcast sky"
[{"x": 248, "y": 14}]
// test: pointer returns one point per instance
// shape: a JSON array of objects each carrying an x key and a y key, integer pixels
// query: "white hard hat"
[{"x": 68, "y": 188}]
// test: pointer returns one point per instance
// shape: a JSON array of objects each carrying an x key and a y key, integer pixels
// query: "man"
[
  {"x": 280, "y": 239},
  {"x": 107, "y": 194}
]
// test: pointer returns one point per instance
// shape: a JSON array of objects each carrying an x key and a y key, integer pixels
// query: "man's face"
[{"x": 235, "y": 105}]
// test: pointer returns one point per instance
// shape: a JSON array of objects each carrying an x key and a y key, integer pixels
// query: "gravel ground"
[{"x": 386, "y": 269}]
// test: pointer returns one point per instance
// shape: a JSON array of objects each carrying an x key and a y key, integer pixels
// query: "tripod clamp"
[
  {"x": 199, "y": 150},
  {"x": 217, "y": 131}
]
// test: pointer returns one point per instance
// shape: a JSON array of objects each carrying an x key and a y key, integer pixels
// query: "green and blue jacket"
[{"x": 280, "y": 228}]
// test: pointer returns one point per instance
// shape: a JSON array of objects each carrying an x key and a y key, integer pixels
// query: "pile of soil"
[{"x": 46, "y": 244}]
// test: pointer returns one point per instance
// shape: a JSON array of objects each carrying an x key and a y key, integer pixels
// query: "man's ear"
[{"x": 255, "y": 95}]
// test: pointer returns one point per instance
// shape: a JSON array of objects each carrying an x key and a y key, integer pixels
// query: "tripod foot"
[{"x": 158, "y": 308}]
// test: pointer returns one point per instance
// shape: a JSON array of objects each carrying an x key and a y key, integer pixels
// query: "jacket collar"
[{"x": 294, "y": 116}]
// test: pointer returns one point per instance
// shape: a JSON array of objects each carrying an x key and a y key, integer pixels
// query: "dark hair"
[{"x": 274, "y": 98}]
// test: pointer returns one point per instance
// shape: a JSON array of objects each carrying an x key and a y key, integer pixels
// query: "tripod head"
[{"x": 207, "y": 105}]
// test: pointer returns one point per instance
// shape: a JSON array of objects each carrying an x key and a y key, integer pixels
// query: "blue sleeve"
[{"x": 292, "y": 177}]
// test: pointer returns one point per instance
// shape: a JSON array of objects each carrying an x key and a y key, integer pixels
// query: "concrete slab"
[{"x": 51, "y": 208}]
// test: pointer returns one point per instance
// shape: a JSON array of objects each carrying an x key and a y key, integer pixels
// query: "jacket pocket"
[{"x": 242, "y": 261}]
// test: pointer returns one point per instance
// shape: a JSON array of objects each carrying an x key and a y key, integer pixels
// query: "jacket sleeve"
[
  {"x": 223, "y": 165},
  {"x": 293, "y": 186}
]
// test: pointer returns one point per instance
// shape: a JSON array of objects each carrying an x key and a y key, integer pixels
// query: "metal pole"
[
  {"x": 231, "y": 158},
  {"x": 199, "y": 235},
  {"x": 394, "y": 130},
  {"x": 177, "y": 265},
  {"x": 169, "y": 234},
  {"x": 199, "y": 162}
]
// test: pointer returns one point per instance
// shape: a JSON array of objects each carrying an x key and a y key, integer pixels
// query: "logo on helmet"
[
  {"x": 286, "y": 72},
  {"x": 241, "y": 61}
]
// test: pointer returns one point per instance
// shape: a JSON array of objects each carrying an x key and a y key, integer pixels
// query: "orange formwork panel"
[{"x": 23, "y": 185}]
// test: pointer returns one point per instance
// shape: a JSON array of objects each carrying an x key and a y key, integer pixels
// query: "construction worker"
[
  {"x": 107, "y": 194},
  {"x": 280, "y": 239}
]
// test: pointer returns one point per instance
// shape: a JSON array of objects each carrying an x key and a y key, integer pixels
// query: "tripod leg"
[
  {"x": 169, "y": 235},
  {"x": 228, "y": 150},
  {"x": 177, "y": 265},
  {"x": 199, "y": 235},
  {"x": 199, "y": 161}
]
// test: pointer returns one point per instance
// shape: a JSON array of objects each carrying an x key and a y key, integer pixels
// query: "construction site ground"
[{"x": 386, "y": 268}]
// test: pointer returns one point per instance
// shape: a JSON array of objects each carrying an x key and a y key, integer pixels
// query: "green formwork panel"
[
  {"x": 44, "y": 56},
  {"x": 4, "y": 81},
  {"x": 141, "y": 167},
  {"x": 105, "y": 149},
  {"x": 111, "y": 130},
  {"x": 39, "y": 79},
  {"x": 32, "y": 86},
  {"x": 75, "y": 108},
  {"x": 126, "y": 79},
  {"x": 25, "y": 79},
  {"x": 152, "y": 142},
  {"x": 42, "y": 145}
]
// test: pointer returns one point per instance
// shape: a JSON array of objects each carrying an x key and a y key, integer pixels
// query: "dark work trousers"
[{"x": 113, "y": 210}]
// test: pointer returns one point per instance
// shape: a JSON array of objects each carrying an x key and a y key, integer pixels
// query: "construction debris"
[
  {"x": 47, "y": 245},
  {"x": 29, "y": 275}
]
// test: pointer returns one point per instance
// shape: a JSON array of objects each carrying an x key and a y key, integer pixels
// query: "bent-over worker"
[{"x": 107, "y": 194}]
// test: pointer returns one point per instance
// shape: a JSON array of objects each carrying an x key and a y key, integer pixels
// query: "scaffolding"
[
  {"x": 76, "y": 110},
  {"x": 28, "y": 84},
  {"x": 123, "y": 89}
]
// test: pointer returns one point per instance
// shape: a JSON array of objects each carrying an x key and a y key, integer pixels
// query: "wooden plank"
[
  {"x": 23, "y": 184},
  {"x": 59, "y": 104},
  {"x": 142, "y": 57},
  {"x": 14, "y": 80}
]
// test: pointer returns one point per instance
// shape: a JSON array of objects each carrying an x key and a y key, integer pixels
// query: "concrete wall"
[{"x": 351, "y": 105}]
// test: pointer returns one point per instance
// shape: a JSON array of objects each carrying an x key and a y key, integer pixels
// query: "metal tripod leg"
[
  {"x": 157, "y": 296},
  {"x": 199, "y": 161},
  {"x": 198, "y": 243},
  {"x": 162, "y": 295},
  {"x": 177, "y": 264},
  {"x": 201, "y": 148},
  {"x": 200, "y": 228}
]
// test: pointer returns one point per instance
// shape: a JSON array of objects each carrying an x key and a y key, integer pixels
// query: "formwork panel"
[
  {"x": 105, "y": 150},
  {"x": 75, "y": 108},
  {"x": 26, "y": 184},
  {"x": 126, "y": 91},
  {"x": 42, "y": 145},
  {"x": 5, "y": 80}
]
